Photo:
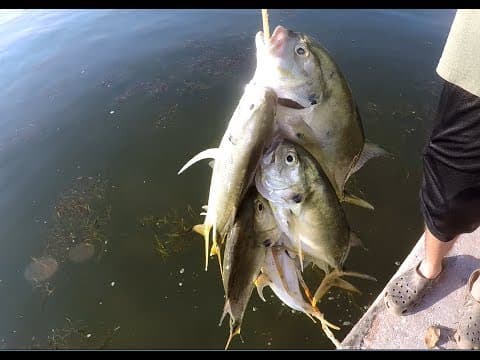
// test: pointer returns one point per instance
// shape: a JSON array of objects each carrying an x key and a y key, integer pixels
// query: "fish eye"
[
  {"x": 290, "y": 159},
  {"x": 260, "y": 207},
  {"x": 300, "y": 50}
]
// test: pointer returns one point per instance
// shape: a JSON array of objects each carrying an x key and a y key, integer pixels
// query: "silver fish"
[
  {"x": 325, "y": 120},
  {"x": 253, "y": 231},
  {"x": 307, "y": 210},
  {"x": 281, "y": 274},
  {"x": 236, "y": 160}
]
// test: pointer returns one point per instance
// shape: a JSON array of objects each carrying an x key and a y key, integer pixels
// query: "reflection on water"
[{"x": 132, "y": 95}]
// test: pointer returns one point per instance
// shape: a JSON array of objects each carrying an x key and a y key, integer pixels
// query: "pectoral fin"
[
  {"x": 369, "y": 151},
  {"x": 296, "y": 239},
  {"x": 205, "y": 154},
  {"x": 355, "y": 200}
]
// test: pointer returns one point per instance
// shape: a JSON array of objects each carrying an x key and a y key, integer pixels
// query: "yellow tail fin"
[{"x": 234, "y": 330}]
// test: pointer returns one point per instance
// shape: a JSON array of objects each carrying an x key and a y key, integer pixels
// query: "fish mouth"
[
  {"x": 276, "y": 41},
  {"x": 279, "y": 34},
  {"x": 289, "y": 103},
  {"x": 278, "y": 38}
]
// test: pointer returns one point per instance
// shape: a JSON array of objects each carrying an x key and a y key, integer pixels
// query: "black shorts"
[{"x": 450, "y": 192}]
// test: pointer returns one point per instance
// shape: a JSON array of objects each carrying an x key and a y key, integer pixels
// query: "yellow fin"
[
  {"x": 198, "y": 229},
  {"x": 333, "y": 279},
  {"x": 261, "y": 281},
  {"x": 306, "y": 290},
  {"x": 217, "y": 252},
  {"x": 204, "y": 230}
]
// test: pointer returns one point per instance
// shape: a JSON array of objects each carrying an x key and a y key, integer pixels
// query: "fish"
[
  {"x": 280, "y": 272},
  {"x": 235, "y": 162},
  {"x": 253, "y": 231},
  {"x": 312, "y": 216},
  {"x": 307, "y": 210},
  {"x": 316, "y": 107}
]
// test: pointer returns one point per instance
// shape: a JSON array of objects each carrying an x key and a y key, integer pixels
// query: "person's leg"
[
  {"x": 449, "y": 195},
  {"x": 435, "y": 251}
]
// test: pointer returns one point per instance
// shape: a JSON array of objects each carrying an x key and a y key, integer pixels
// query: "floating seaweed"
[
  {"x": 172, "y": 232},
  {"x": 212, "y": 61},
  {"x": 77, "y": 231},
  {"x": 166, "y": 116},
  {"x": 155, "y": 88},
  {"x": 75, "y": 334},
  {"x": 81, "y": 252},
  {"x": 78, "y": 224}
]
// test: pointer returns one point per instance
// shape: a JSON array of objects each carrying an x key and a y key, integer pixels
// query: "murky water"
[{"x": 99, "y": 110}]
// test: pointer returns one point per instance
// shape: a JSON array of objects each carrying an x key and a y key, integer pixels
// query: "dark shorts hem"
[
  {"x": 431, "y": 226},
  {"x": 450, "y": 191}
]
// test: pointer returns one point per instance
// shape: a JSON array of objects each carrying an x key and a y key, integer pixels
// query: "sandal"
[
  {"x": 406, "y": 291},
  {"x": 467, "y": 335}
]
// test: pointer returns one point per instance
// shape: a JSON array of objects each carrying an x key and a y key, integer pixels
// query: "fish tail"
[
  {"x": 234, "y": 330},
  {"x": 326, "y": 326},
  {"x": 226, "y": 309},
  {"x": 319, "y": 316},
  {"x": 329, "y": 334}
]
